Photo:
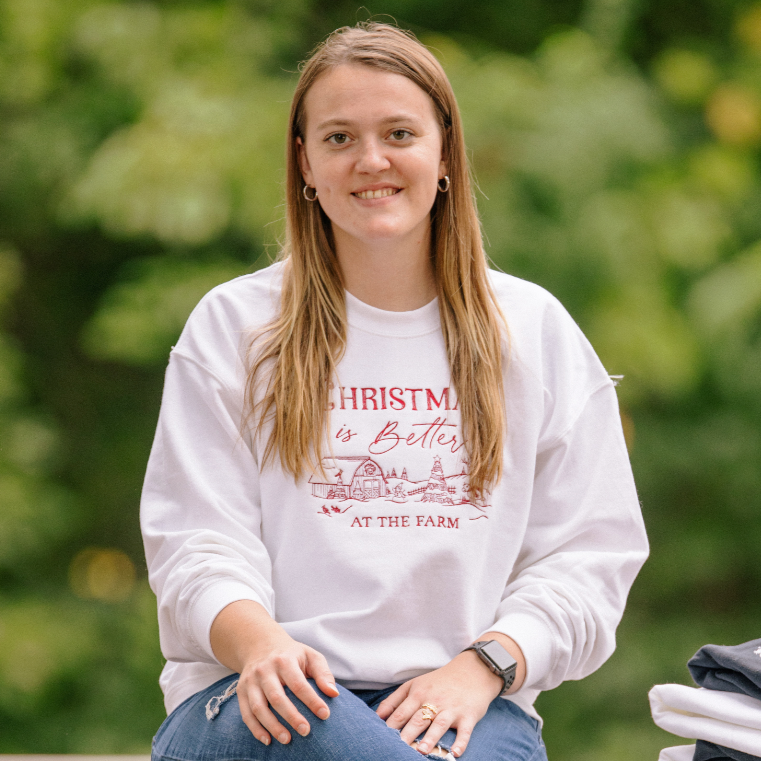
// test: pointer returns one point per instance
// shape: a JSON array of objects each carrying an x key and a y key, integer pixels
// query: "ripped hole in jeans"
[{"x": 213, "y": 706}]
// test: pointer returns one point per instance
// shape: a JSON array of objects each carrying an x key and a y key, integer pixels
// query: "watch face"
[{"x": 498, "y": 655}]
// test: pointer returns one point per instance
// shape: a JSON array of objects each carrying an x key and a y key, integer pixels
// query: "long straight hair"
[{"x": 297, "y": 353}]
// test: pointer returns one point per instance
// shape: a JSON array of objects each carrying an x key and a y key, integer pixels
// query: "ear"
[
  {"x": 306, "y": 171},
  {"x": 442, "y": 170}
]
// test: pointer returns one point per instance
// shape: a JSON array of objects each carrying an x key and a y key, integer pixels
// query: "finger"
[
  {"x": 260, "y": 709},
  {"x": 318, "y": 669},
  {"x": 414, "y": 728},
  {"x": 387, "y": 706},
  {"x": 257, "y": 730},
  {"x": 415, "y": 725},
  {"x": 439, "y": 725},
  {"x": 403, "y": 713},
  {"x": 297, "y": 683},
  {"x": 464, "y": 731},
  {"x": 279, "y": 701}
]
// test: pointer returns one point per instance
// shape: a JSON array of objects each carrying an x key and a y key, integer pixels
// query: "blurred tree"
[{"x": 616, "y": 149}]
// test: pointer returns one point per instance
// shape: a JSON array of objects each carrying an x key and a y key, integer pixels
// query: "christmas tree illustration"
[{"x": 436, "y": 491}]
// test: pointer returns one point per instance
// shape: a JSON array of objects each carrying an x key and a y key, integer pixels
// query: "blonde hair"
[{"x": 299, "y": 350}]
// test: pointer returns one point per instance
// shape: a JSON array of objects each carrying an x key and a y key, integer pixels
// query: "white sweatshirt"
[{"x": 387, "y": 564}]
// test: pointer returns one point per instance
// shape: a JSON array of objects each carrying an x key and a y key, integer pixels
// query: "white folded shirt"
[
  {"x": 725, "y": 718},
  {"x": 677, "y": 753}
]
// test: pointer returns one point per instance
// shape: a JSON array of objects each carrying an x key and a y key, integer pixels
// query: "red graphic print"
[
  {"x": 329, "y": 511},
  {"x": 433, "y": 495},
  {"x": 437, "y": 489},
  {"x": 361, "y": 478}
]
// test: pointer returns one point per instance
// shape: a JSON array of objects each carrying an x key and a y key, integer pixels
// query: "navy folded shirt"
[
  {"x": 705, "y": 751},
  {"x": 736, "y": 668}
]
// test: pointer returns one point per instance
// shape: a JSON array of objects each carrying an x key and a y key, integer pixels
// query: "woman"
[{"x": 375, "y": 455}]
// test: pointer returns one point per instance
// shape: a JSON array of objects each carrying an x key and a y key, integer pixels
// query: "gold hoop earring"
[
  {"x": 304, "y": 191},
  {"x": 445, "y": 180}
]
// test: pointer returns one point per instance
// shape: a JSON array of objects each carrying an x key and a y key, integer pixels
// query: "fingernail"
[
  {"x": 332, "y": 687},
  {"x": 265, "y": 740},
  {"x": 283, "y": 738},
  {"x": 423, "y": 747},
  {"x": 323, "y": 713},
  {"x": 456, "y": 749},
  {"x": 303, "y": 729}
]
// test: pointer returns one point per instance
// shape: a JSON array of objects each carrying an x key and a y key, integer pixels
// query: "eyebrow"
[{"x": 394, "y": 119}]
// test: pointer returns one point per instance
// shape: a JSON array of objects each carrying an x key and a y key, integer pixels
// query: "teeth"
[{"x": 366, "y": 194}]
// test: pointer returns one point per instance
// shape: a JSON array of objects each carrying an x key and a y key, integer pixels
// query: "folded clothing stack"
[{"x": 723, "y": 712}]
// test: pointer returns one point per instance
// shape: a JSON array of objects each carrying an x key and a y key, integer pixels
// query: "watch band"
[{"x": 507, "y": 674}]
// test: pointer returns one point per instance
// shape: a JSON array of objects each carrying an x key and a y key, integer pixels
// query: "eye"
[
  {"x": 338, "y": 138},
  {"x": 400, "y": 134}
]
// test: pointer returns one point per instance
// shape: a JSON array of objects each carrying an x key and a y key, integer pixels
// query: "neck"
[{"x": 395, "y": 275}]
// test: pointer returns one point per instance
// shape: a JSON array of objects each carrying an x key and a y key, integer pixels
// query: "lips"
[{"x": 366, "y": 195}]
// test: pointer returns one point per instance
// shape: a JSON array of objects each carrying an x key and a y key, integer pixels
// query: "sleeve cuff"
[
  {"x": 535, "y": 640},
  {"x": 210, "y": 603}
]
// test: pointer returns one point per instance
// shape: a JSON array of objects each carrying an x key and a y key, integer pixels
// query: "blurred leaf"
[
  {"x": 10, "y": 272},
  {"x": 607, "y": 21},
  {"x": 748, "y": 27},
  {"x": 207, "y": 151},
  {"x": 729, "y": 295},
  {"x": 613, "y": 224},
  {"x": 689, "y": 230},
  {"x": 38, "y": 643},
  {"x": 27, "y": 68},
  {"x": 147, "y": 181},
  {"x": 686, "y": 76},
  {"x": 723, "y": 170},
  {"x": 11, "y": 386},
  {"x": 139, "y": 319},
  {"x": 28, "y": 443},
  {"x": 595, "y": 114},
  {"x": 736, "y": 360},
  {"x": 34, "y": 516},
  {"x": 637, "y": 334}
]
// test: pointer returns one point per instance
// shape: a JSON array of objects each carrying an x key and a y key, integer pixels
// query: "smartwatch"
[{"x": 499, "y": 661}]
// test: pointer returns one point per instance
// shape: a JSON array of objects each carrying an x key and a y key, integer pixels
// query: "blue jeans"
[{"x": 353, "y": 732}]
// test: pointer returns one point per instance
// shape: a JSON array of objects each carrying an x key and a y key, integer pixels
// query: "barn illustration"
[{"x": 359, "y": 478}]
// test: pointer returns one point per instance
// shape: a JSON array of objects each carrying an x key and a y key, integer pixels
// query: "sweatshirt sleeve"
[
  {"x": 200, "y": 511},
  {"x": 584, "y": 544}
]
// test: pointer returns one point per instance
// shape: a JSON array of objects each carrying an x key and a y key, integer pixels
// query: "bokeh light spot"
[
  {"x": 722, "y": 169},
  {"x": 686, "y": 76},
  {"x": 102, "y": 574},
  {"x": 748, "y": 28},
  {"x": 733, "y": 114}
]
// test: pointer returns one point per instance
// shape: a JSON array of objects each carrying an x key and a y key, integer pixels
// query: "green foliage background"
[{"x": 616, "y": 146}]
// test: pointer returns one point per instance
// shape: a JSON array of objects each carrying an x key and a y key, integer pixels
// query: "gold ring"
[{"x": 429, "y": 711}]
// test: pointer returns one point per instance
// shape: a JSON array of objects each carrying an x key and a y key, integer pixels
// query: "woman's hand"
[
  {"x": 461, "y": 691},
  {"x": 246, "y": 639}
]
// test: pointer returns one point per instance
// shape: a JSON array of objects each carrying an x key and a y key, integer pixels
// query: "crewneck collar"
[{"x": 418, "y": 322}]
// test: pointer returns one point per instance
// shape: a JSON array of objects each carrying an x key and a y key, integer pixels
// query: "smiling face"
[{"x": 373, "y": 151}]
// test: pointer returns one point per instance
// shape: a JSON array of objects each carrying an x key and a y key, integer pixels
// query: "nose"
[{"x": 372, "y": 158}]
